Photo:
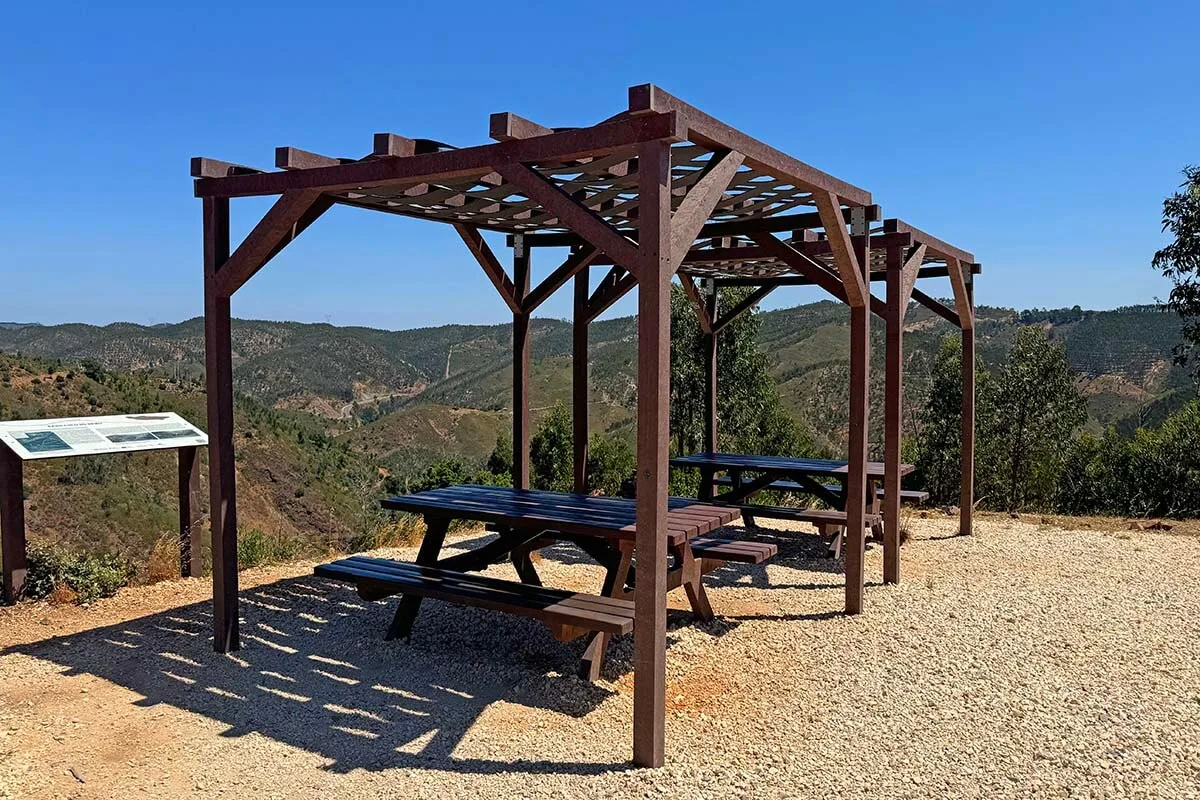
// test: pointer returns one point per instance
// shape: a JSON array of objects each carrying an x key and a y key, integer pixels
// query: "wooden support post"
[
  {"x": 654, "y": 364},
  {"x": 579, "y": 379},
  {"x": 892, "y": 413},
  {"x": 860, "y": 386},
  {"x": 966, "y": 505},
  {"x": 12, "y": 524},
  {"x": 190, "y": 562},
  {"x": 218, "y": 359},
  {"x": 521, "y": 350},
  {"x": 710, "y": 389}
]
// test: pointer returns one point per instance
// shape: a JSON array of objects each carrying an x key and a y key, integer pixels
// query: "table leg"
[
  {"x": 427, "y": 556},
  {"x": 614, "y": 586},
  {"x": 875, "y": 507},
  {"x": 707, "y": 476},
  {"x": 524, "y": 564},
  {"x": 689, "y": 567}
]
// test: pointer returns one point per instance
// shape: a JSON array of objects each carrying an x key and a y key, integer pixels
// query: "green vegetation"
[
  {"x": 1179, "y": 261},
  {"x": 85, "y": 577}
]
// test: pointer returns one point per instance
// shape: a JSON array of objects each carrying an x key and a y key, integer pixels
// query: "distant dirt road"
[{"x": 1023, "y": 661}]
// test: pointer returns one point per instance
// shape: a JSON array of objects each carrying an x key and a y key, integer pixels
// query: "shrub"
[
  {"x": 87, "y": 470},
  {"x": 611, "y": 466},
  {"x": 89, "y": 576},
  {"x": 551, "y": 451},
  {"x": 256, "y": 548}
]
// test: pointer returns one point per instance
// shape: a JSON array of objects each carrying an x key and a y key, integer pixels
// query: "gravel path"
[{"x": 1023, "y": 661}]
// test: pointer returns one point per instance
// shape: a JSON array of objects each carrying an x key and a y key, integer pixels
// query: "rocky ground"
[{"x": 1027, "y": 660}]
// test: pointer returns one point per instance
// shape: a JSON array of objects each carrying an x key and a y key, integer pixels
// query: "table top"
[
  {"x": 564, "y": 512},
  {"x": 808, "y": 466}
]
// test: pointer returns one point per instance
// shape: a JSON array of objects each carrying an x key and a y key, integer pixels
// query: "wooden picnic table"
[
  {"x": 823, "y": 478},
  {"x": 526, "y": 520}
]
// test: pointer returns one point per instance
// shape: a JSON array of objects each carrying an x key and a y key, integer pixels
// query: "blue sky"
[{"x": 1042, "y": 137}]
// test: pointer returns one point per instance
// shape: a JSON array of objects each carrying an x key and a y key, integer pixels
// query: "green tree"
[
  {"x": 1038, "y": 409},
  {"x": 938, "y": 440},
  {"x": 551, "y": 451},
  {"x": 751, "y": 417},
  {"x": 611, "y": 466},
  {"x": 1179, "y": 261}
]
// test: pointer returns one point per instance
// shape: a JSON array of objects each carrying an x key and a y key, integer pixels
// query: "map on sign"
[{"x": 86, "y": 436}]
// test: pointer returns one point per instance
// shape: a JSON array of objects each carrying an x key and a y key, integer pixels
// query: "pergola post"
[
  {"x": 190, "y": 562},
  {"x": 966, "y": 506},
  {"x": 521, "y": 354},
  {"x": 655, "y": 269},
  {"x": 579, "y": 379},
  {"x": 12, "y": 525},
  {"x": 892, "y": 411},
  {"x": 710, "y": 387},
  {"x": 218, "y": 360}
]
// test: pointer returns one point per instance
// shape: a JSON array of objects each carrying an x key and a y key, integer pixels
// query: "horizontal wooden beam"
[
  {"x": 211, "y": 168},
  {"x": 579, "y": 260},
  {"x": 933, "y": 271},
  {"x": 295, "y": 158},
  {"x": 748, "y": 303},
  {"x": 504, "y": 127},
  {"x": 466, "y": 162},
  {"x": 936, "y": 307},
  {"x": 712, "y": 133},
  {"x": 936, "y": 246},
  {"x": 715, "y": 230}
]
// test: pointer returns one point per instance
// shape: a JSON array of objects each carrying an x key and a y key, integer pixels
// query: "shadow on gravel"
[{"x": 315, "y": 672}]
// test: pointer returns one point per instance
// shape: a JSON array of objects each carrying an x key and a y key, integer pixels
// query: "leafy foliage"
[
  {"x": 89, "y": 576},
  {"x": 1179, "y": 261},
  {"x": 751, "y": 417},
  {"x": 1032, "y": 412},
  {"x": 551, "y": 451}
]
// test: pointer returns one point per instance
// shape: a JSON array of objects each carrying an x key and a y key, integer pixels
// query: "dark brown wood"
[
  {"x": 740, "y": 551},
  {"x": 579, "y": 381},
  {"x": 966, "y": 502},
  {"x": 653, "y": 270},
  {"x": 935, "y": 245},
  {"x": 279, "y": 226},
  {"x": 190, "y": 561},
  {"x": 573, "y": 214},
  {"x": 218, "y": 377},
  {"x": 616, "y": 284},
  {"x": 575, "y": 263},
  {"x": 12, "y": 524},
  {"x": 897, "y": 302},
  {"x": 715, "y": 230},
  {"x": 466, "y": 162},
  {"x": 927, "y": 271},
  {"x": 474, "y": 241},
  {"x": 698, "y": 302},
  {"x": 295, "y": 158},
  {"x": 504, "y": 127},
  {"x": 842, "y": 249},
  {"x": 936, "y": 307},
  {"x": 522, "y": 422},
  {"x": 698, "y": 203},
  {"x": 753, "y": 299},
  {"x": 705, "y": 130},
  {"x": 713, "y": 312},
  {"x": 852, "y": 263}
]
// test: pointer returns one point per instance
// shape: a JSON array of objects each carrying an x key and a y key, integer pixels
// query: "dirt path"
[{"x": 1023, "y": 661}]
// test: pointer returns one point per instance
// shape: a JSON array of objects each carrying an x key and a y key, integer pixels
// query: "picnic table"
[
  {"x": 823, "y": 478},
  {"x": 527, "y": 520}
]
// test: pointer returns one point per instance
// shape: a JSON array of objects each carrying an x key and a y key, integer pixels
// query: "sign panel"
[{"x": 87, "y": 436}]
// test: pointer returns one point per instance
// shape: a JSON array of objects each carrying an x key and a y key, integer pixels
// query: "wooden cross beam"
[
  {"x": 843, "y": 249},
  {"x": 573, "y": 214},
  {"x": 750, "y": 302},
  {"x": 693, "y": 294},
  {"x": 292, "y": 213},
  {"x": 936, "y": 307},
  {"x": 576, "y": 262},
  {"x": 491, "y": 265}
]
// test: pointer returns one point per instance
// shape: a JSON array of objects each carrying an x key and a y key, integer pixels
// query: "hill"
[{"x": 402, "y": 396}]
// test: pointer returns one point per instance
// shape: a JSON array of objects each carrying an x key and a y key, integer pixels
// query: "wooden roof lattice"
[{"x": 502, "y": 187}]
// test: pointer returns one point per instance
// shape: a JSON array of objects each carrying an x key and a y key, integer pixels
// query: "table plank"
[
  {"x": 810, "y": 466},
  {"x": 612, "y": 517}
]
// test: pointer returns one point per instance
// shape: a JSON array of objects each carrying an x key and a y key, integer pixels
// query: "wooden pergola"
[{"x": 658, "y": 190}]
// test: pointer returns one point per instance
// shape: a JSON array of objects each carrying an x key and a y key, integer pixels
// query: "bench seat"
[
  {"x": 906, "y": 495},
  {"x": 713, "y": 548},
  {"x": 566, "y": 612}
]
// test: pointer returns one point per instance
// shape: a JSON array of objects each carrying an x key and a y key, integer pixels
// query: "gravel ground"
[{"x": 1023, "y": 661}]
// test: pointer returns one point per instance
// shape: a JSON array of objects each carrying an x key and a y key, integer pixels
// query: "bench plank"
[
  {"x": 554, "y": 606},
  {"x": 743, "y": 552}
]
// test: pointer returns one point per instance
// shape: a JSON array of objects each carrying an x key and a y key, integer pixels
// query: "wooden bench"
[
  {"x": 906, "y": 495},
  {"x": 569, "y": 614},
  {"x": 715, "y": 550}
]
